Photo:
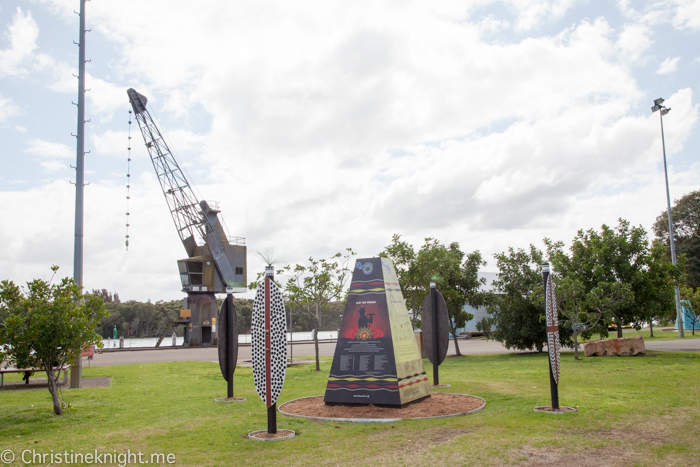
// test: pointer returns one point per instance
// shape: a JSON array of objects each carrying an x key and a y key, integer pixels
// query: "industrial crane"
[{"x": 215, "y": 263}]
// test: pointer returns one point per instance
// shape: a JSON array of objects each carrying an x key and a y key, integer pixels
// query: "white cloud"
[
  {"x": 669, "y": 65},
  {"x": 533, "y": 12},
  {"x": 687, "y": 14},
  {"x": 682, "y": 14},
  {"x": 52, "y": 156},
  {"x": 336, "y": 124},
  {"x": 8, "y": 109},
  {"x": 634, "y": 40},
  {"x": 22, "y": 34},
  {"x": 48, "y": 149}
]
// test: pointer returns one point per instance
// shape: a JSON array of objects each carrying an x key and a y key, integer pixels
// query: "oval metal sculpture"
[
  {"x": 269, "y": 345},
  {"x": 443, "y": 330},
  {"x": 552, "y": 334},
  {"x": 552, "y": 328},
  {"x": 224, "y": 330}
]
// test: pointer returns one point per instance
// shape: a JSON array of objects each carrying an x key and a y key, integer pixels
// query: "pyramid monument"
[{"x": 376, "y": 359}]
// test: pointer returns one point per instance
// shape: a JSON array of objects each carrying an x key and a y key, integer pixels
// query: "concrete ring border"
[
  {"x": 236, "y": 399},
  {"x": 541, "y": 408},
  {"x": 380, "y": 420},
  {"x": 252, "y": 433}
]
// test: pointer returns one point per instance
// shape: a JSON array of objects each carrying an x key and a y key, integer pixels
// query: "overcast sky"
[{"x": 321, "y": 125}]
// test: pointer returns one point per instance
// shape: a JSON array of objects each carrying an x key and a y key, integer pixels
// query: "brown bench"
[{"x": 23, "y": 370}]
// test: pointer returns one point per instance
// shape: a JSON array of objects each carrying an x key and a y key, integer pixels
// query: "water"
[{"x": 242, "y": 339}]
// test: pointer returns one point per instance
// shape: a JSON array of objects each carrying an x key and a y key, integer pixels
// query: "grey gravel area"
[{"x": 41, "y": 383}]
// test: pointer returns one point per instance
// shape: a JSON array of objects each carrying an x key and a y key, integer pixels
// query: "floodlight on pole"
[{"x": 679, "y": 315}]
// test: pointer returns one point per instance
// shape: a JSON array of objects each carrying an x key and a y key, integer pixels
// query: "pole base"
[
  {"x": 263, "y": 435},
  {"x": 548, "y": 409}
]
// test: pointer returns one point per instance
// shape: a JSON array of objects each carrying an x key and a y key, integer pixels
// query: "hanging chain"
[{"x": 128, "y": 184}]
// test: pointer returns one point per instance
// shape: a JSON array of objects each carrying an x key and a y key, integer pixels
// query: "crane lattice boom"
[{"x": 182, "y": 202}]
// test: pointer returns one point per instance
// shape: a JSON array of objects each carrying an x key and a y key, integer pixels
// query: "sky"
[{"x": 323, "y": 125}]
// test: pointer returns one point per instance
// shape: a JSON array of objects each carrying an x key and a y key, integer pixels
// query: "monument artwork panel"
[{"x": 376, "y": 359}]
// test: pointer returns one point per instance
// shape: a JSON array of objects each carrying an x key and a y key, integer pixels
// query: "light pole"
[{"x": 658, "y": 106}]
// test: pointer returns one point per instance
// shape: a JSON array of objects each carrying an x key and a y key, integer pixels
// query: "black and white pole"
[
  {"x": 552, "y": 335},
  {"x": 231, "y": 359},
  {"x": 436, "y": 340},
  {"x": 272, "y": 408},
  {"x": 291, "y": 338}
]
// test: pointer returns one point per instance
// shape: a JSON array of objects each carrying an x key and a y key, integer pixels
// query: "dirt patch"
[
  {"x": 561, "y": 409},
  {"x": 263, "y": 434},
  {"x": 590, "y": 458},
  {"x": 437, "y": 405}
]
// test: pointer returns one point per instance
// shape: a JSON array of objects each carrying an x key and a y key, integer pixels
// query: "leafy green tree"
[
  {"x": 517, "y": 307},
  {"x": 413, "y": 282},
  {"x": 617, "y": 259},
  {"x": 686, "y": 229},
  {"x": 311, "y": 288},
  {"x": 654, "y": 292},
  {"x": 484, "y": 326},
  {"x": 47, "y": 326},
  {"x": 455, "y": 273},
  {"x": 141, "y": 319}
]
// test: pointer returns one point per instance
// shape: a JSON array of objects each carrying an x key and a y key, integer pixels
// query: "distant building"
[{"x": 479, "y": 312}]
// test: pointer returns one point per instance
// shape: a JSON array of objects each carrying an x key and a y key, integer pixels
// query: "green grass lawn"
[{"x": 632, "y": 411}]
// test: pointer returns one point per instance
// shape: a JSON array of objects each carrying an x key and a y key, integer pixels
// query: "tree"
[
  {"x": 515, "y": 309},
  {"x": 693, "y": 300},
  {"x": 686, "y": 229},
  {"x": 455, "y": 274},
  {"x": 47, "y": 326},
  {"x": 584, "y": 311},
  {"x": 484, "y": 326},
  {"x": 623, "y": 256},
  {"x": 150, "y": 319},
  {"x": 311, "y": 288},
  {"x": 654, "y": 293},
  {"x": 411, "y": 280}
]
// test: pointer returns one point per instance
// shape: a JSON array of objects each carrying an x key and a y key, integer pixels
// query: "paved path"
[
  {"x": 327, "y": 349},
  {"x": 680, "y": 345}
]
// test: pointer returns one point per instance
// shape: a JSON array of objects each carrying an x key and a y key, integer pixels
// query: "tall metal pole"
[
  {"x": 436, "y": 351},
  {"x": 230, "y": 364},
  {"x": 76, "y": 369},
  {"x": 679, "y": 310}
]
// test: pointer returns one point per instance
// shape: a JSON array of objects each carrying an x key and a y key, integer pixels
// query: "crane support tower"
[{"x": 215, "y": 262}]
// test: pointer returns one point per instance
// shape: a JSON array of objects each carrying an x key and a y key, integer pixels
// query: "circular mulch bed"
[
  {"x": 263, "y": 435},
  {"x": 230, "y": 399},
  {"x": 435, "y": 406},
  {"x": 549, "y": 409}
]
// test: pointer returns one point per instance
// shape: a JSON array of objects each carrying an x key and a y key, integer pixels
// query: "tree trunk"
[
  {"x": 318, "y": 365},
  {"x": 160, "y": 339},
  {"x": 454, "y": 338},
  {"x": 318, "y": 326},
  {"x": 53, "y": 389},
  {"x": 651, "y": 328},
  {"x": 539, "y": 346},
  {"x": 576, "y": 346},
  {"x": 619, "y": 328}
]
